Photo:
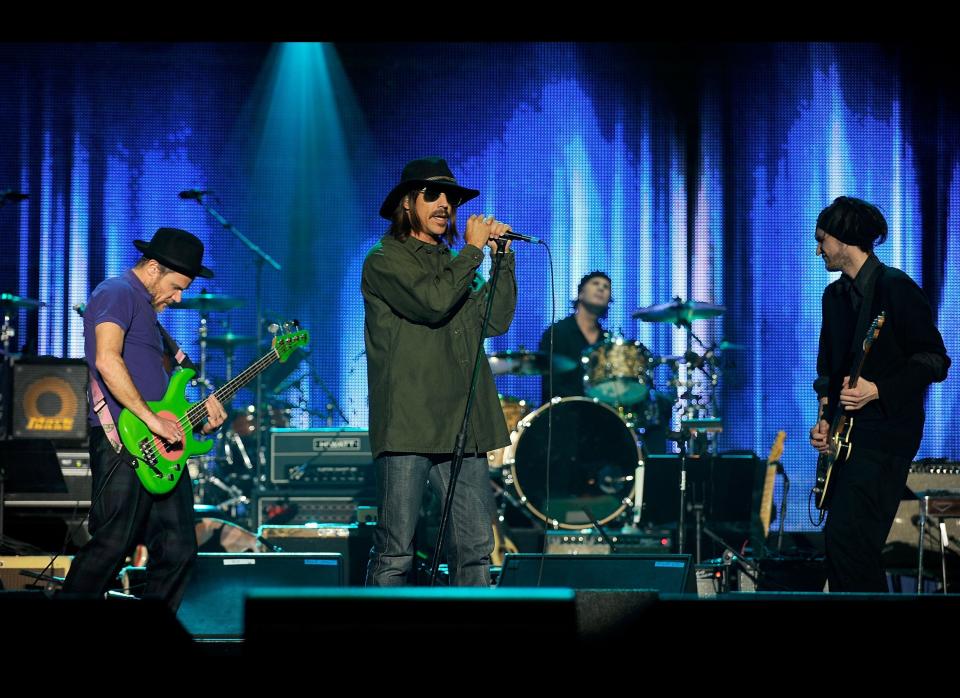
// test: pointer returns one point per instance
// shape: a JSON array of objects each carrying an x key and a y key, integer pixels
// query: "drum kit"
[{"x": 595, "y": 442}]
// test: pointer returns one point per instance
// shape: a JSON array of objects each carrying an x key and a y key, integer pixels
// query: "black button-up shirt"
[{"x": 907, "y": 356}]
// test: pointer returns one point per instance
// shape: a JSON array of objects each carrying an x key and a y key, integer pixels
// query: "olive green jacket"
[{"x": 424, "y": 308}]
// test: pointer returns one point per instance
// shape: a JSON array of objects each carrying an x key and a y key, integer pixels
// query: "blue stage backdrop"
[{"x": 692, "y": 171}]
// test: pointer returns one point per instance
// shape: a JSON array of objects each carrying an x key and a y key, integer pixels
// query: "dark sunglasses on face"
[{"x": 431, "y": 194}]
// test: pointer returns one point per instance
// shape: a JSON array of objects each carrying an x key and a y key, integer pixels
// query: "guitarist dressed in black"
[
  {"x": 886, "y": 403},
  {"x": 124, "y": 351}
]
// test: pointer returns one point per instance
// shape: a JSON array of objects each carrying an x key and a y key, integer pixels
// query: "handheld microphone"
[
  {"x": 511, "y": 235},
  {"x": 193, "y": 193}
]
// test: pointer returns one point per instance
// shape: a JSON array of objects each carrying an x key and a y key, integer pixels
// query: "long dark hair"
[{"x": 404, "y": 221}]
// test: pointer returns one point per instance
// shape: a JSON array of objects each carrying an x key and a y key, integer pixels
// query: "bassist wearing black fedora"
[{"x": 124, "y": 347}]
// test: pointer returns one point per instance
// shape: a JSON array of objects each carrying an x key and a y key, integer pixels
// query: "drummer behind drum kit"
[{"x": 596, "y": 463}]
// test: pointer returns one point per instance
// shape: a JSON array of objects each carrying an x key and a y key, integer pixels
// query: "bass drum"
[{"x": 594, "y": 457}]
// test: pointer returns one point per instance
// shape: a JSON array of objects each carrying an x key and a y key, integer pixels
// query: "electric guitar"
[
  {"x": 769, "y": 480},
  {"x": 839, "y": 440},
  {"x": 158, "y": 464}
]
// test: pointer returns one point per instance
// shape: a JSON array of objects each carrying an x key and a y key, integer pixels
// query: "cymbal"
[
  {"x": 679, "y": 312},
  {"x": 230, "y": 340},
  {"x": 8, "y": 300},
  {"x": 208, "y": 302},
  {"x": 528, "y": 363}
]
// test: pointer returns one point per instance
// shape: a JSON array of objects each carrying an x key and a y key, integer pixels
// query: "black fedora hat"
[
  {"x": 177, "y": 249},
  {"x": 432, "y": 172}
]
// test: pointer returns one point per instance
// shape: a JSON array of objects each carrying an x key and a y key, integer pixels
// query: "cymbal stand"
[{"x": 7, "y": 333}]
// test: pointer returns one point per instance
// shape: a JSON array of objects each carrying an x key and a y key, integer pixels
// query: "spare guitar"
[{"x": 769, "y": 480}]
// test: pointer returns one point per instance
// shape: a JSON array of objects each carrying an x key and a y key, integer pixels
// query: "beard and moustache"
[{"x": 599, "y": 310}]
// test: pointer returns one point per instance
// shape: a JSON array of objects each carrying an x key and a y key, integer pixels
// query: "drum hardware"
[
  {"x": 503, "y": 491},
  {"x": 9, "y": 304},
  {"x": 528, "y": 363},
  {"x": 681, "y": 437},
  {"x": 236, "y": 494},
  {"x": 514, "y": 409},
  {"x": 207, "y": 302},
  {"x": 696, "y": 398},
  {"x": 678, "y": 312}
]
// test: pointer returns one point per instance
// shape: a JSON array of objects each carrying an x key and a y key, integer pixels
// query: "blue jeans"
[{"x": 469, "y": 541}]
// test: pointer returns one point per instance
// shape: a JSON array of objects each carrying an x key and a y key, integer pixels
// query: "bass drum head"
[{"x": 593, "y": 461}]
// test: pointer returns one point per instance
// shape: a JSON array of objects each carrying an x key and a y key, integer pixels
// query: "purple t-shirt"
[{"x": 125, "y": 301}]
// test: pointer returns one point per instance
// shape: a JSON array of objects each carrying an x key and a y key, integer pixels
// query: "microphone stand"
[
  {"x": 680, "y": 438},
  {"x": 332, "y": 403},
  {"x": 260, "y": 258},
  {"x": 461, "y": 443}
]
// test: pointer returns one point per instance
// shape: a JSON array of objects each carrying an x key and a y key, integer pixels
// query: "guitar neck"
[
  {"x": 840, "y": 418},
  {"x": 198, "y": 412},
  {"x": 766, "y": 498}
]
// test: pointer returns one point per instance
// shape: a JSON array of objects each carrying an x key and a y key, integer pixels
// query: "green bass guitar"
[{"x": 159, "y": 464}]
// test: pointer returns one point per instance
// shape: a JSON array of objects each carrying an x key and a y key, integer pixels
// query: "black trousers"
[
  {"x": 867, "y": 492},
  {"x": 124, "y": 515}
]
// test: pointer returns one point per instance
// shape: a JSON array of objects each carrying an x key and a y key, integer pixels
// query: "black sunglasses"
[{"x": 431, "y": 194}]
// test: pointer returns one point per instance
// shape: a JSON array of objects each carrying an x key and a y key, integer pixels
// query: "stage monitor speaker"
[
  {"x": 213, "y": 600},
  {"x": 50, "y": 399},
  {"x": 416, "y": 623},
  {"x": 666, "y": 574}
]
